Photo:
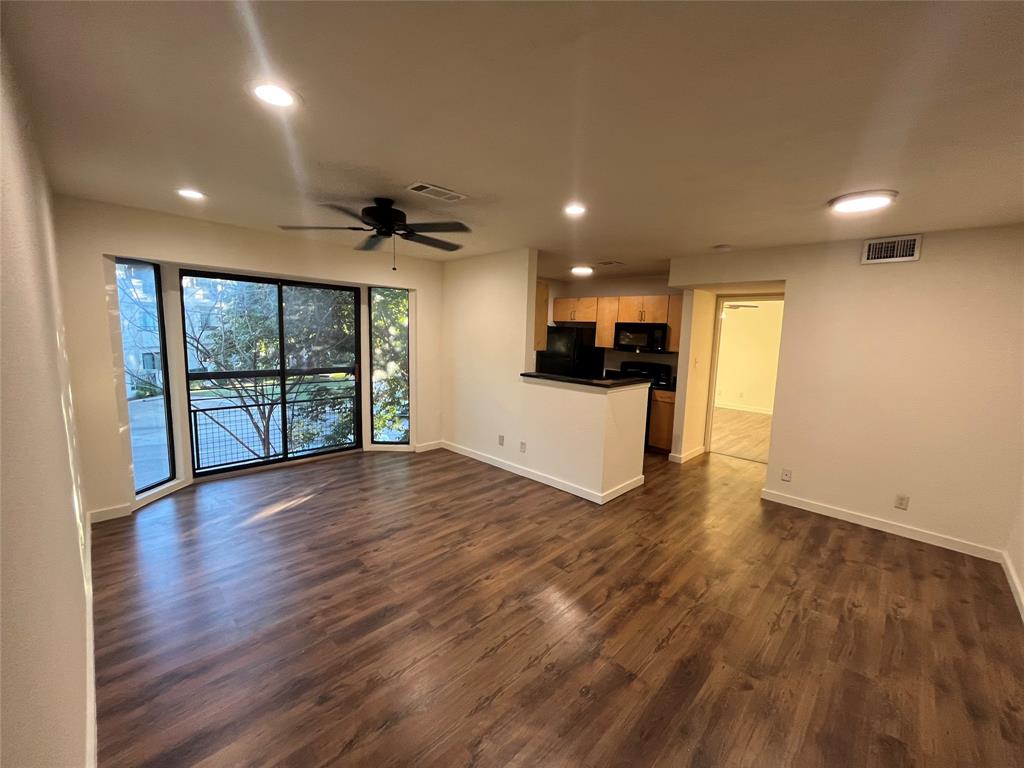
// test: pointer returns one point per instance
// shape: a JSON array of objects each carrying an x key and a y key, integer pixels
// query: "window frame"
[
  {"x": 369, "y": 315},
  {"x": 281, "y": 372},
  {"x": 161, "y": 328}
]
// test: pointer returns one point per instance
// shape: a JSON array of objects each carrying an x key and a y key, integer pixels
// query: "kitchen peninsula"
[{"x": 591, "y": 431}]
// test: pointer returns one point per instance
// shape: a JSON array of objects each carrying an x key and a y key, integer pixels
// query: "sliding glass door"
[
  {"x": 145, "y": 372},
  {"x": 272, "y": 369}
]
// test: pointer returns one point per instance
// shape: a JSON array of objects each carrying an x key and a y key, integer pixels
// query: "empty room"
[{"x": 563, "y": 384}]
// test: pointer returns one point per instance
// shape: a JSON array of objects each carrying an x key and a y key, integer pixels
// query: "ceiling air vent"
[
  {"x": 889, "y": 249},
  {"x": 436, "y": 192},
  {"x": 610, "y": 263}
]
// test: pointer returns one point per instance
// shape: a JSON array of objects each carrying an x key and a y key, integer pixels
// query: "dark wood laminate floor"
[
  {"x": 429, "y": 610},
  {"x": 741, "y": 434}
]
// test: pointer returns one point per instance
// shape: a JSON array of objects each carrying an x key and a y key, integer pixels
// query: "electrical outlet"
[
  {"x": 501, "y": 439},
  {"x": 787, "y": 475},
  {"x": 522, "y": 446},
  {"x": 902, "y": 501}
]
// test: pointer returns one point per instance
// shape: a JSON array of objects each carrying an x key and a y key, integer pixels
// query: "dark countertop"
[{"x": 599, "y": 383}]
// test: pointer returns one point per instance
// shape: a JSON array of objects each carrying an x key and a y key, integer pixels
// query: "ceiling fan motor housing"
[{"x": 384, "y": 213}]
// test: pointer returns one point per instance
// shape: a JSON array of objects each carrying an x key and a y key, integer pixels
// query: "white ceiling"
[{"x": 680, "y": 125}]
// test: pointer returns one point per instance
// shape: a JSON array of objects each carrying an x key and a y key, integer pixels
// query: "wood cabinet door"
[
  {"x": 659, "y": 434},
  {"x": 563, "y": 310},
  {"x": 540, "y": 317},
  {"x": 607, "y": 314},
  {"x": 655, "y": 309},
  {"x": 586, "y": 310},
  {"x": 631, "y": 309},
  {"x": 675, "y": 321}
]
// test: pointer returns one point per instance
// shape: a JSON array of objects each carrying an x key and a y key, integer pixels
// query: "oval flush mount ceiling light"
[
  {"x": 575, "y": 209},
  {"x": 582, "y": 271},
  {"x": 191, "y": 194},
  {"x": 274, "y": 95},
  {"x": 860, "y": 202}
]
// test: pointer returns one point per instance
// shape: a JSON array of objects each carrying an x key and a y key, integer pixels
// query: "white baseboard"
[
  {"x": 682, "y": 458},
  {"x": 109, "y": 513},
  {"x": 889, "y": 526},
  {"x": 563, "y": 485},
  {"x": 1016, "y": 584},
  {"x": 431, "y": 446},
  {"x": 747, "y": 408}
]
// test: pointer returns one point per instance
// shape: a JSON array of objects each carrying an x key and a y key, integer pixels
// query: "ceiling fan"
[{"x": 384, "y": 221}]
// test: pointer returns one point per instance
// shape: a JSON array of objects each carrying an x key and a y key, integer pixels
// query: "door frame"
[{"x": 720, "y": 300}]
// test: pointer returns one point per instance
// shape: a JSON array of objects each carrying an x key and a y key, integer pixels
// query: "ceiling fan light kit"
[{"x": 385, "y": 221}]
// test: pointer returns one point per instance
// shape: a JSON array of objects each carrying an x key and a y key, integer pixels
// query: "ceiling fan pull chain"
[{"x": 394, "y": 256}]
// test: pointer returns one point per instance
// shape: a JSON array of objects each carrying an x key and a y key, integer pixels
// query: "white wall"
[
  {"x": 694, "y": 381},
  {"x": 897, "y": 378},
  {"x": 90, "y": 234},
  {"x": 48, "y": 710},
  {"x": 748, "y": 355},
  {"x": 488, "y": 337}
]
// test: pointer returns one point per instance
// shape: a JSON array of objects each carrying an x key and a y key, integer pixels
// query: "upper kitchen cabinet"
[
  {"x": 643, "y": 309},
  {"x": 581, "y": 310},
  {"x": 607, "y": 314}
]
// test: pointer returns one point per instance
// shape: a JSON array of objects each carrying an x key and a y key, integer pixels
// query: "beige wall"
[
  {"x": 748, "y": 355},
  {"x": 897, "y": 378},
  {"x": 90, "y": 233},
  {"x": 48, "y": 710}
]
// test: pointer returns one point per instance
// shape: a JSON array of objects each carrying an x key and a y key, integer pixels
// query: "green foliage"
[{"x": 389, "y": 338}]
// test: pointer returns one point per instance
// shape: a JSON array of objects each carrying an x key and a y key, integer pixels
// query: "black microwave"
[{"x": 641, "y": 337}]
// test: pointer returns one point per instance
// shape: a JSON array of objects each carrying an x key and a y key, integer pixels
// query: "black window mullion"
[{"x": 282, "y": 373}]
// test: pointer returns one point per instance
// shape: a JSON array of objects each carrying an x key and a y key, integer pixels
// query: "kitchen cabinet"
[
  {"x": 575, "y": 310},
  {"x": 607, "y": 314},
  {"x": 659, "y": 423},
  {"x": 675, "y": 321},
  {"x": 540, "y": 317},
  {"x": 643, "y": 309}
]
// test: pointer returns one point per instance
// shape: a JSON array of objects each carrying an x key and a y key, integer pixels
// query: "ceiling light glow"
[
  {"x": 582, "y": 271},
  {"x": 575, "y": 209},
  {"x": 274, "y": 95},
  {"x": 191, "y": 194},
  {"x": 859, "y": 202}
]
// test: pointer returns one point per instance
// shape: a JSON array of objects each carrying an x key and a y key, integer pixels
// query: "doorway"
[{"x": 746, "y": 359}]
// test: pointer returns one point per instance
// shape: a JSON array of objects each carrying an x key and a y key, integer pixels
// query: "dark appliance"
[
  {"x": 660, "y": 374},
  {"x": 571, "y": 352},
  {"x": 641, "y": 337}
]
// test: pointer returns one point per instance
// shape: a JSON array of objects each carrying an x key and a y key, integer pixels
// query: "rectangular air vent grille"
[
  {"x": 436, "y": 192},
  {"x": 890, "y": 249},
  {"x": 610, "y": 263}
]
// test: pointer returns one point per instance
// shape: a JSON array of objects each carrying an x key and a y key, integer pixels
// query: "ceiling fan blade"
[
  {"x": 433, "y": 242},
  {"x": 438, "y": 226},
  {"x": 350, "y": 212},
  {"x": 372, "y": 243},
  {"x": 301, "y": 226}
]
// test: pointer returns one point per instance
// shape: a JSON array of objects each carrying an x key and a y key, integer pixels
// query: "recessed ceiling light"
[
  {"x": 575, "y": 209},
  {"x": 274, "y": 95},
  {"x": 191, "y": 194},
  {"x": 859, "y": 202},
  {"x": 582, "y": 271}
]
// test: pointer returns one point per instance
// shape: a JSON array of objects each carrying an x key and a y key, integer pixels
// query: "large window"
[
  {"x": 271, "y": 368},
  {"x": 145, "y": 372},
  {"x": 389, "y": 342}
]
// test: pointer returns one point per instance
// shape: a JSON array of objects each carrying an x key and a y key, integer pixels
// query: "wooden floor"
[
  {"x": 392, "y": 609},
  {"x": 742, "y": 434}
]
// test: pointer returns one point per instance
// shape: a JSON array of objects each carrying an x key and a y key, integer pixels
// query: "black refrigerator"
[{"x": 571, "y": 352}]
